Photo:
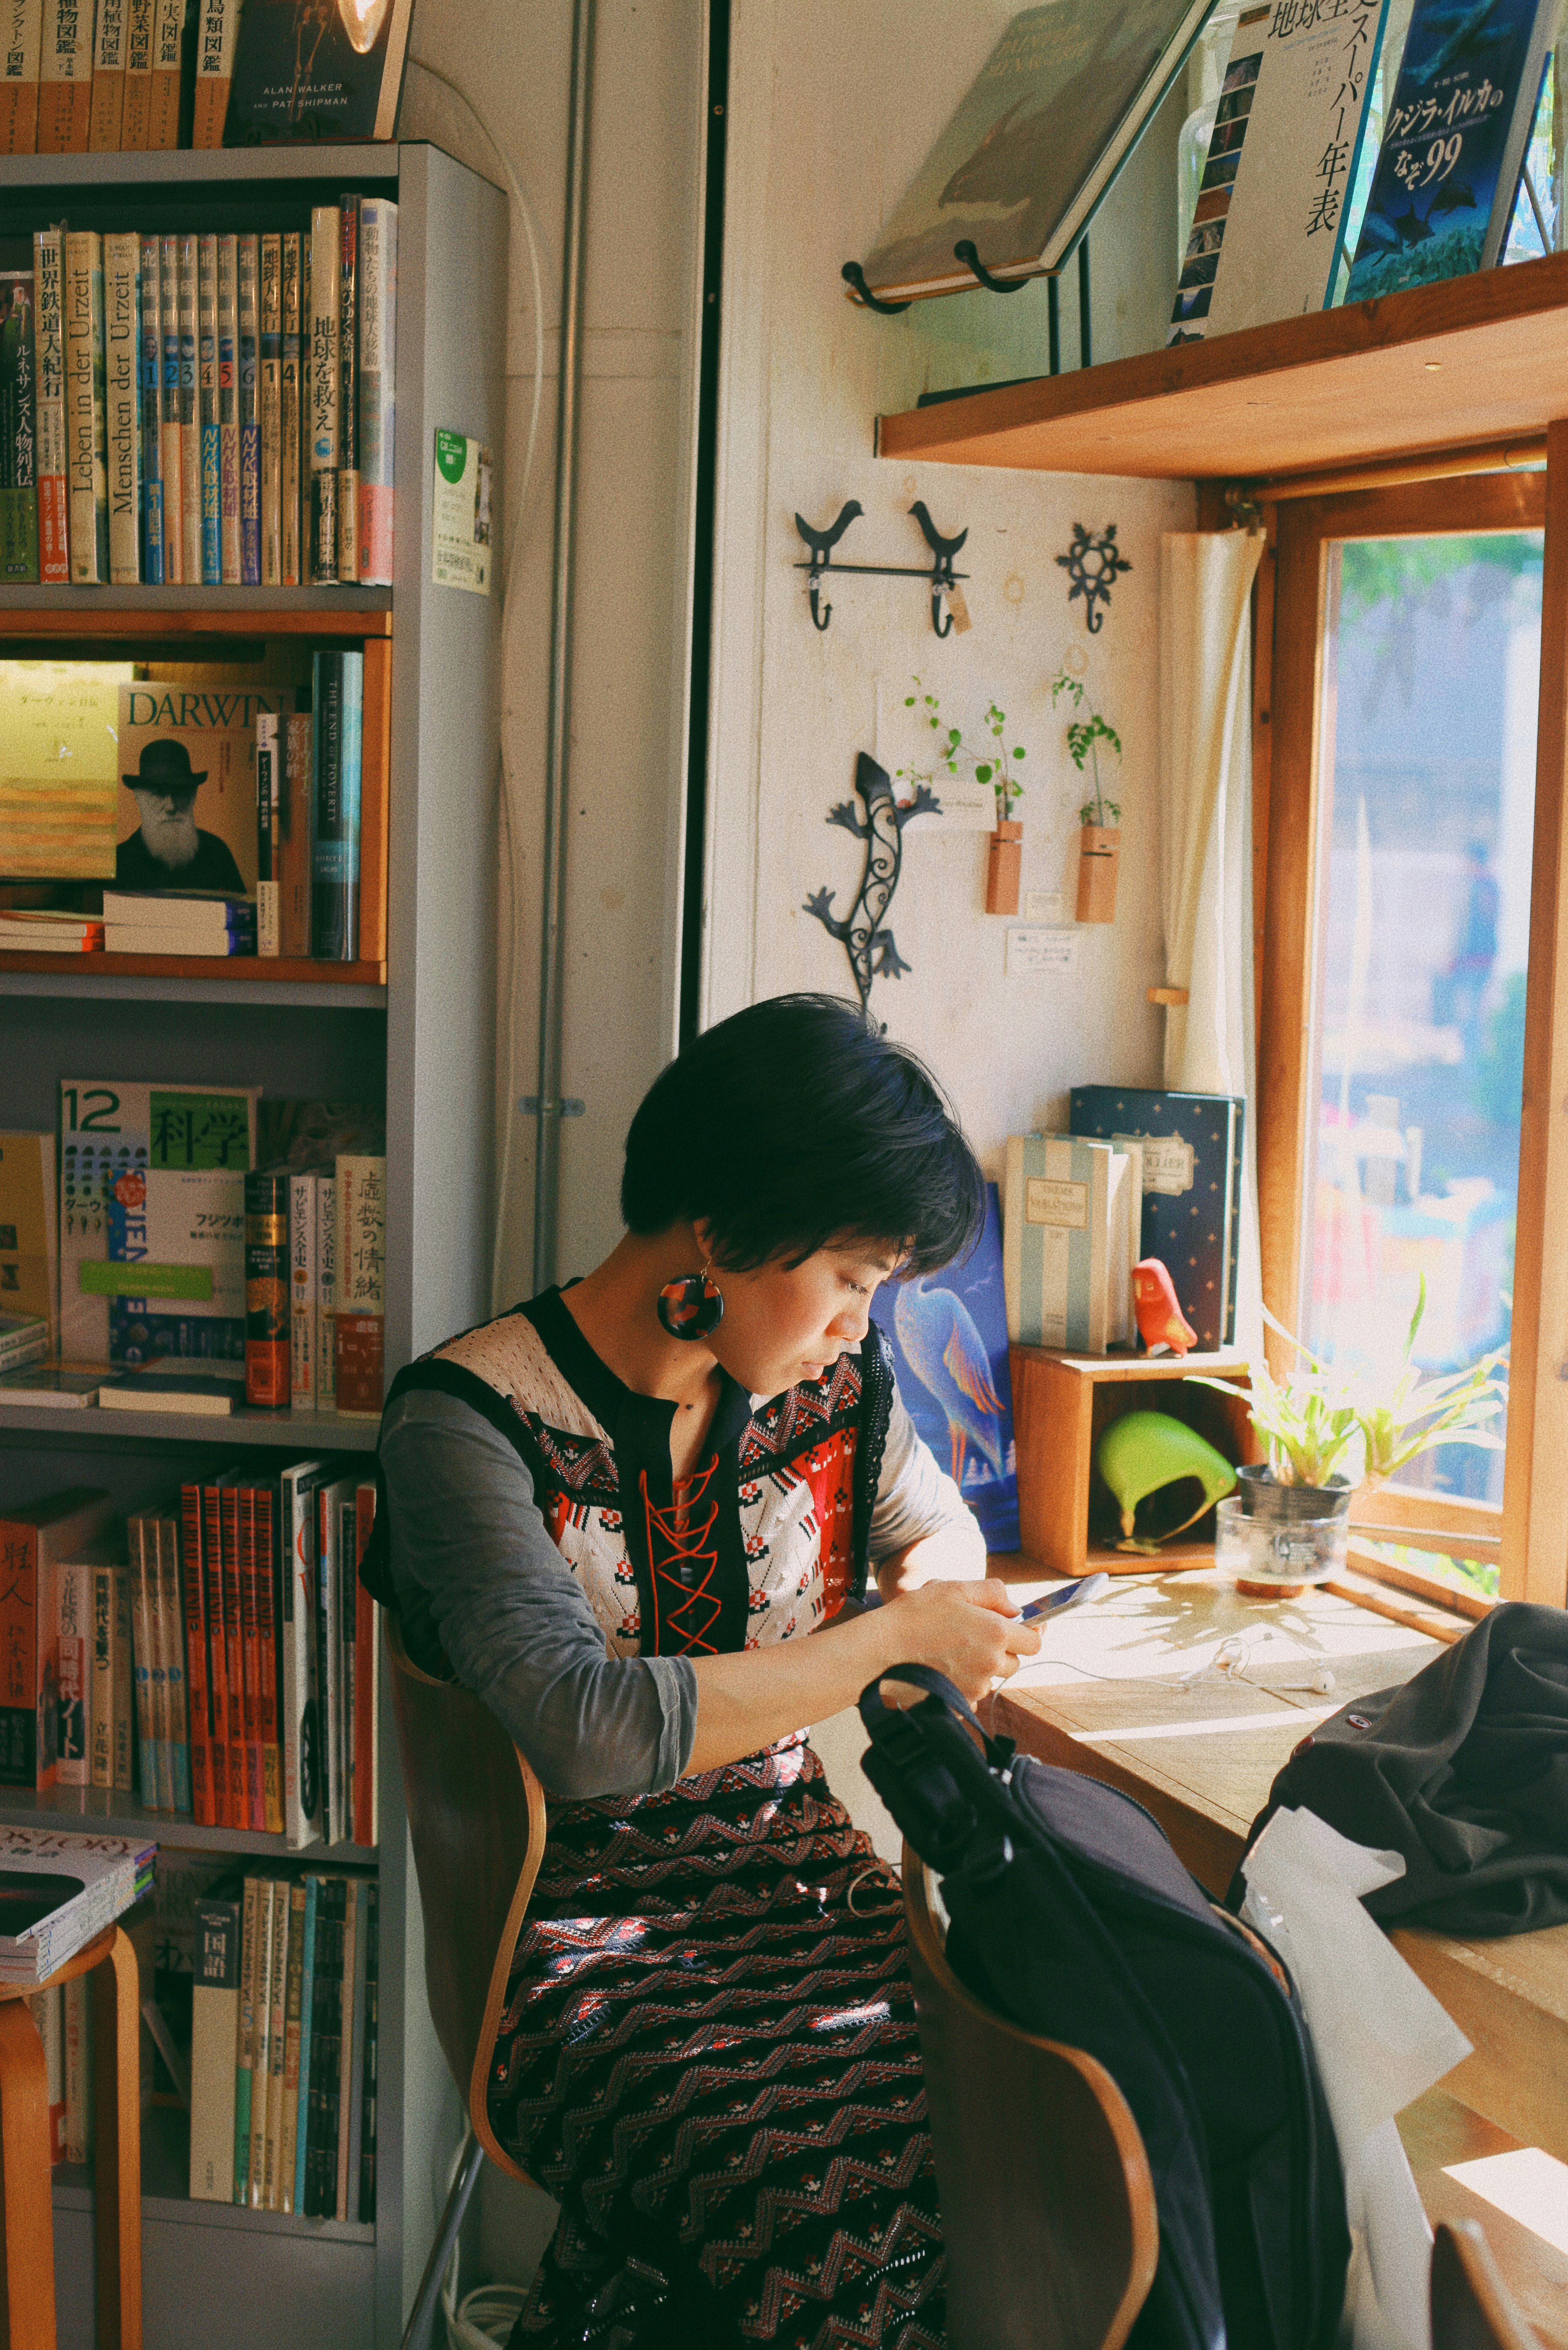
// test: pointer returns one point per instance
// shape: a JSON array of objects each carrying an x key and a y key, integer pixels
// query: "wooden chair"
[
  {"x": 1471, "y": 2305},
  {"x": 1048, "y": 2208},
  {"x": 476, "y": 1820},
  {"x": 26, "y": 2208}
]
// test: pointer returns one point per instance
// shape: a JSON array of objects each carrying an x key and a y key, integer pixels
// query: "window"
[{"x": 1397, "y": 829}]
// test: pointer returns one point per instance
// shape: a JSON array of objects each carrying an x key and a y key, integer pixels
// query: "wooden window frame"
[{"x": 1528, "y": 1534}]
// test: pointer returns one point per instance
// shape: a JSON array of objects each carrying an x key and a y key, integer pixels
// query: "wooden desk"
[{"x": 1105, "y": 1698}]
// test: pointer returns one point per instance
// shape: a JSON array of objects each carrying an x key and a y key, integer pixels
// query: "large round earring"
[{"x": 692, "y": 1308}]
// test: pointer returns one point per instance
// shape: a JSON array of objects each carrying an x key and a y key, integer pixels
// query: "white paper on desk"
[{"x": 1381, "y": 2040}]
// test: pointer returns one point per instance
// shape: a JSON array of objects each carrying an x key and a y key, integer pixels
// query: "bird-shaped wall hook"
[
  {"x": 943, "y": 576},
  {"x": 822, "y": 544}
]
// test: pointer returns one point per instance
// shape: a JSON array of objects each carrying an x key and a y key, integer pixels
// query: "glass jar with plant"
[
  {"x": 1329, "y": 1432},
  {"x": 1099, "y": 845}
]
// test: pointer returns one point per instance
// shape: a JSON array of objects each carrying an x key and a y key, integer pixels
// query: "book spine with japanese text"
[
  {"x": 163, "y": 82},
  {"x": 207, "y": 412},
  {"x": 348, "y": 392},
  {"x": 87, "y": 460},
  {"x": 215, "y": 2031},
  {"x": 216, "y": 28},
  {"x": 378, "y": 371},
  {"x": 21, "y": 37},
  {"x": 133, "y": 125},
  {"x": 268, "y": 802},
  {"x": 48, "y": 279},
  {"x": 18, "y": 429},
  {"x": 250, "y": 419},
  {"x": 290, "y": 414},
  {"x": 269, "y": 421},
  {"x": 171, "y": 1643},
  {"x": 360, "y": 1324},
  {"x": 190, "y": 415},
  {"x": 324, "y": 428},
  {"x": 65, "y": 78},
  {"x": 229, "y": 409},
  {"x": 123, "y": 419},
  {"x": 108, "y": 101},
  {"x": 171, "y": 459},
  {"x": 198, "y": 1685},
  {"x": 151, "y": 386}
]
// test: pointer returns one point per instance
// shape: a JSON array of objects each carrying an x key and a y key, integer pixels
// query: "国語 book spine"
[
  {"x": 249, "y": 420},
  {"x": 214, "y": 2029},
  {"x": 48, "y": 279},
  {"x": 123, "y": 425},
  {"x": 85, "y": 447},
  {"x": 377, "y": 405},
  {"x": 324, "y": 434}
]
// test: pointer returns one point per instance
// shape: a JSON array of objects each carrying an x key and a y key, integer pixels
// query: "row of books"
[
  {"x": 1141, "y": 1175},
  {"x": 132, "y": 1257},
  {"x": 204, "y": 804},
  {"x": 200, "y": 411},
  {"x": 284, "y": 2016},
  {"x": 214, "y": 1659},
  {"x": 140, "y": 76},
  {"x": 63, "y": 2015}
]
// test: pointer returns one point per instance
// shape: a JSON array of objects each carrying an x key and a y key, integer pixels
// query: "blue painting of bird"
[{"x": 947, "y": 1354}]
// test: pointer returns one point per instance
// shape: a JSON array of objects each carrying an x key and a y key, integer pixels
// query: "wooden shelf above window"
[
  {"x": 1475, "y": 359},
  {"x": 121, "y": 612},
  {"x": 256, "y": 970}
]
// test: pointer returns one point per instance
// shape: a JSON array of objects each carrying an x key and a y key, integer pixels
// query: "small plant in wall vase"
[
  {"x": 1002, "y": 872},
  {"x": 1100, "y": 819}
]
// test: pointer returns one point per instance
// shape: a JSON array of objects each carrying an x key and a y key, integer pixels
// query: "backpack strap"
[
  {"x": 919, "y": 1762},
  {"x": 877, "y": 1387}
]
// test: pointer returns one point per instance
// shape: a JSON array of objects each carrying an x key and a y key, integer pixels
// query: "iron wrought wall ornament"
[
  {"x": 1093, "y": 565},
  {"x": 871, "y": 949},
  {"x": 939, "y": 571}
]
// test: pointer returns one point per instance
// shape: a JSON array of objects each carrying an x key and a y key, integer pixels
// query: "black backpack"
[{"x": 1071, "y": 1915}]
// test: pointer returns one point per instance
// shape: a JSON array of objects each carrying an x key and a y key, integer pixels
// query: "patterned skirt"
[{"x": 710, "y": 2057}]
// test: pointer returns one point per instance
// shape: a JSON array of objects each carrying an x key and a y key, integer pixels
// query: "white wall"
[{"x": 831, "y": 111}]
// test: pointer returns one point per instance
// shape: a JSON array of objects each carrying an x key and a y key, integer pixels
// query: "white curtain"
[{"x": 1205, "y": 844}]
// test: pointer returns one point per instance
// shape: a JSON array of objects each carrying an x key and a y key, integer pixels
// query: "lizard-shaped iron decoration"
[{"x": 872, "y": 950}]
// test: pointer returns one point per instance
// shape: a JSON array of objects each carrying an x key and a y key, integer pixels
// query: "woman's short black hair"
[{"x": 795, "y": 1123}]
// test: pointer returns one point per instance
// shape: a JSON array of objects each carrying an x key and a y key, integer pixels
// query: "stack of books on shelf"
[
  {"x": 139, "y": 1285},
  {"x": 146, "y": 75},
  {"x": 284, "y": 2046},
  {"x": 212, "y": 1659},
  {"x": 58, "y": 1891},
  {"x": 200, "y": 411},
  {"x": 208, "y": 816}
]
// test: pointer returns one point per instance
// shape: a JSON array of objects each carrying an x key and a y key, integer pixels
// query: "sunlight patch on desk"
[
  {"x": 1528, "y": 2186},
  {"x": 1216, "y": 1726}
]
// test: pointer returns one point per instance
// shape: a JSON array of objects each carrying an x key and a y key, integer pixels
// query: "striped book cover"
[{"x": 1055, "y": 1217}]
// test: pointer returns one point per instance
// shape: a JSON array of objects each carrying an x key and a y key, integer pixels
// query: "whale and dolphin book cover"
[
  {"x": 1454, "y": 140},
  {"x": 948, "y": 1331}
]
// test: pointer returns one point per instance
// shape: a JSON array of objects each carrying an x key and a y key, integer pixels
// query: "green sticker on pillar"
[{"x": 460, "y": 525}]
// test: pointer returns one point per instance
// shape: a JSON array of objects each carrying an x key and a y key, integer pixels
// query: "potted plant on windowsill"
[
  {"x": 1100, "y": 819},
  {"x": 1289, "y": 1522}
]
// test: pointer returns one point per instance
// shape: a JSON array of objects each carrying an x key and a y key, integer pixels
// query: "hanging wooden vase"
[
  {"x": 1002, "y": 869},
  {"x": 1099, "y": 853}
]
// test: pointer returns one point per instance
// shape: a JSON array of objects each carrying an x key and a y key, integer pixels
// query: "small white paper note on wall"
[
  {"x": 1031, "y": 954},
  {"x": 459, "y": 528},
  {"x": 906, "y": 739}
]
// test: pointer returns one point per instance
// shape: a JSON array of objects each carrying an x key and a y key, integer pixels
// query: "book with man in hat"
[{"x": 187, "y": 803}]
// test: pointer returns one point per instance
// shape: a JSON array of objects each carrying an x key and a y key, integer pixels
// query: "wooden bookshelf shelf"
[
  {"x": 217, "y": 612},
  {"x": 83, "y": 979},
  {"x": 80, "y": 1807},
  {"x": 79, "y": 973},
  {"x": 1473, "y": 360},
  {"x": 297, "y": 1431},
  {"x": 201, "y": 167}
]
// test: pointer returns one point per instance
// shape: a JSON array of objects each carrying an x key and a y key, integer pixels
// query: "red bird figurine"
[{"x": 1160, "y": 1320}]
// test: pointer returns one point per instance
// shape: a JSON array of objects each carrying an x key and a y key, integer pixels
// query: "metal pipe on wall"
[{"x": 557, "y": 757}]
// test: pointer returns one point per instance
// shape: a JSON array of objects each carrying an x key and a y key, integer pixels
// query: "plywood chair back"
[
  {"x": 1471, "y": 2305},
  {"x": 1048, "y": 2210},
  {"x": 476, "y": 1821}
]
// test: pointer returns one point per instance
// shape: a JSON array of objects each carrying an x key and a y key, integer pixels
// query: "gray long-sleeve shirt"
[{"x": 479, "y": 1581}]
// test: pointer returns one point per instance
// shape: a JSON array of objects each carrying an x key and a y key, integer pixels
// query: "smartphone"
[{"x": 1056, "y": 1603}]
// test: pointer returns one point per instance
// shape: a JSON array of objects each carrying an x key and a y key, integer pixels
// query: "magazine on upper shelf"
[
  {"x": 1269, "y": 226},
  {"x": 316, "y": 73},
  {"x": 1454, "y": 141},
  {"x": 58, "y": 1891},
  {"x": 1038, "y": 140}
]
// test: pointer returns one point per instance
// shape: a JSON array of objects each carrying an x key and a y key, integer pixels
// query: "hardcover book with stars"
[{"x": 1191, "y": 1189}]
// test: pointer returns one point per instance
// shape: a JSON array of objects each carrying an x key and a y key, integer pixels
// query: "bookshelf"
[{"x": 418, "y": 1029}]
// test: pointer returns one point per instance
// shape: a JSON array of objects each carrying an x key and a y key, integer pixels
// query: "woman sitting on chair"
[{"x": 615, "y": 1514}]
